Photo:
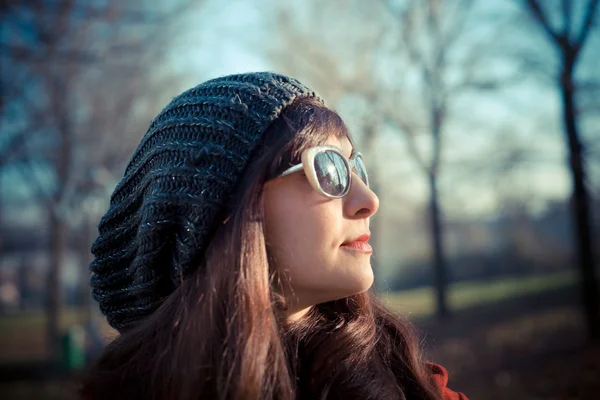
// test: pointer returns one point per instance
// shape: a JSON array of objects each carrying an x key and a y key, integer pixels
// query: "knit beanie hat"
[{"x": 164, "y": 211}]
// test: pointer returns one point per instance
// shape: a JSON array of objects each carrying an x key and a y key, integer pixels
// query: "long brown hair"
[{"x": 222, "y": 334}]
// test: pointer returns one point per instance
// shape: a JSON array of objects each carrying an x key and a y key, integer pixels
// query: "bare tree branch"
[
  {"x": 538, "y": 13},
  {"x": 566, "y": 10},
  {"x": 586, "y": 27},
  {"x": 392, "y": 118},
  {"x": 460, "y": 15}
]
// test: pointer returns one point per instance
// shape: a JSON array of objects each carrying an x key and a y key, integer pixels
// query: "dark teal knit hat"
[{"x": 164, "y": 211}]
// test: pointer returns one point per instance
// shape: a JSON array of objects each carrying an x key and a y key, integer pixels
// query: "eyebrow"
[{"x": 352, "y": 153}]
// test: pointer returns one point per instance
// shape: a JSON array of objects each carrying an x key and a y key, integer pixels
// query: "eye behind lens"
[{"x": 332, "y": 172}]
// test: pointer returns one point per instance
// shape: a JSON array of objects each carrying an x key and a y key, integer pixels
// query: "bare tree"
[
  {"x": 429, "y": 32},
  {"x": 569, "y": 39},
  {"x": 74, "y": 72}
]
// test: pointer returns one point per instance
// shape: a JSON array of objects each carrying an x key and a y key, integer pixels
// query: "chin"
[
  {"x": 338, "y": 285},
  {"x": 361, "y": 282}
]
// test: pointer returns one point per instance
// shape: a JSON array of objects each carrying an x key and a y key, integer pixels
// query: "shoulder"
[{"x": 440, "y": 375}]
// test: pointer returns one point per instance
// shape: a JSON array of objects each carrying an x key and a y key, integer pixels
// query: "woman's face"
[{"x": 310, "y": 237}]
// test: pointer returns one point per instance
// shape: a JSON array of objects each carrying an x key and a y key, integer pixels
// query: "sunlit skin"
[{"x": 307, "y": 234}]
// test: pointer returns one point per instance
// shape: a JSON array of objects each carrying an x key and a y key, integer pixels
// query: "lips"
[{"x": 359, "y": 244}]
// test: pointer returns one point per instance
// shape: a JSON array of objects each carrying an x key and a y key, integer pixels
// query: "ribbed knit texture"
[{"x": 181, "y": 176}]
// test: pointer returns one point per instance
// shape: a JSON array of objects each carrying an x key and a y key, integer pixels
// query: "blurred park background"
[{"x": 479, "y": 121}]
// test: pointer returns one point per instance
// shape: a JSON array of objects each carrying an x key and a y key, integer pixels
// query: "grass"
[
  {"x": 23, "y": 338},
  {"x": 420, "y": 302},
  {"x": 35, "y": 320}
]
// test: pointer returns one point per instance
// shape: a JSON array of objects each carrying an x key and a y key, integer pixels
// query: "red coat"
[{"x": 441, "y": 378}]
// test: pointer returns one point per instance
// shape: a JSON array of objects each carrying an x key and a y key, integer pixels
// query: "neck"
[{"x": 294, "y": 315}]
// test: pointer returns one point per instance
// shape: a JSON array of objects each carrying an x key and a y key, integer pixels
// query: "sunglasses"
[{"x": 329, "y": 171}]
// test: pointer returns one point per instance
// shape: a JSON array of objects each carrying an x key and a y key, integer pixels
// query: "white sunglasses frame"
[{"x": 307, "y": 164}]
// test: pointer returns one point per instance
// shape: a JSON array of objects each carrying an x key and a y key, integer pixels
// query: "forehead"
[{"x": 341, "y": 143}]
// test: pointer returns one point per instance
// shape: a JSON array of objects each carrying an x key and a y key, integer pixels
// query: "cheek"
[{"x": 301, "y": 234}]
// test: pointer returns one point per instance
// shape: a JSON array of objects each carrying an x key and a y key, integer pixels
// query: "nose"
[{"x": 361, "y": 201}]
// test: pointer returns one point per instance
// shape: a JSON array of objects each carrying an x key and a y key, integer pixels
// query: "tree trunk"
[
  {"x": 1, "y": 215},
  {"x": 58, "y": 225},
  {"x": 58, "y": 241},
  {"x": 580, "y": 203},
  {"x": 85, "y": 297},
  {"x": 439, "y": 267}
]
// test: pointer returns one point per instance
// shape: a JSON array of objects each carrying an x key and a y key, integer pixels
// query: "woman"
[{"x": 234, "y": 258}]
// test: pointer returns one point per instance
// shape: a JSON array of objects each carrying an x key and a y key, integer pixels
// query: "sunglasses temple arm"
[{"x": 293, "y": 169}]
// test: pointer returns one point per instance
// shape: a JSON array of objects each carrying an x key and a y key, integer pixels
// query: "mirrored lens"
[
  {"x": 332, "y": 173},
  {"x": 361, "y": 170}
]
